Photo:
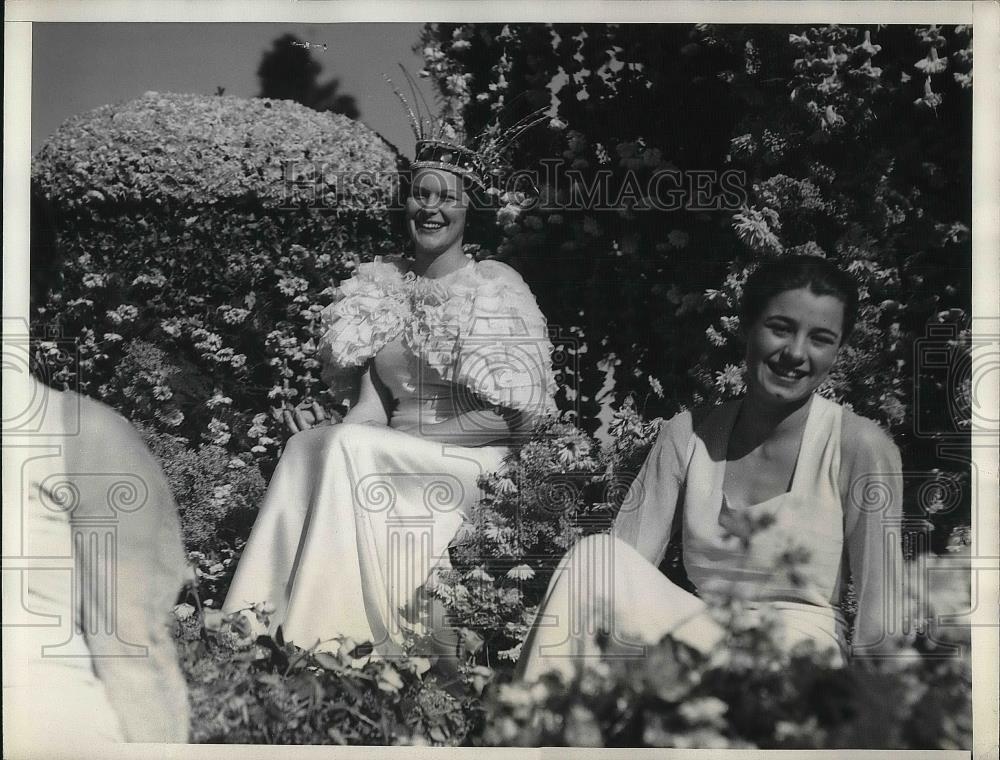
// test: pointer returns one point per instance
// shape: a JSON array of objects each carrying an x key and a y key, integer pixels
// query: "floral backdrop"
[{"x": 203, "y": 236}]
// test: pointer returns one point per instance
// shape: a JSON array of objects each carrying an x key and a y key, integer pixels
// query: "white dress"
[
  {"x": 611, "y": 582},
  {"x": 358, "y": 516}
]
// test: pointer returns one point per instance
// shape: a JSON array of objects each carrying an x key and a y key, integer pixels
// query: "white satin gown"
[{"x": 357, "y": 517}]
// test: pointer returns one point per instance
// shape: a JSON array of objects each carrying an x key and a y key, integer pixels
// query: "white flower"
[
  {"x": 730, "y": 324},
  {"x": 710, "y": 710},
  {"x": 291, "y": 286},
  {"x": 258, "y": 425},
  {"x": 171, "y": 418},
  {"x": 162, "y": 393},
  {"x": 508, "y": 214},
  {"x": 418, "y": 665},
  {"x": 234, "y": 316},
  {"x": 932, "y": 64},
  {"x": 218, "y": 432},
  {"x": 478, "y": 574},
  {"x": 389, "y": 679},
  {"x": 92, "y": 280},
  {"x": 656, "y": 386},
  {"x": 730, "y": 379},
  {"x": 155, "y": 280},
  {"x": 124, "y": 313},
  {"x": 515, "y": 695},
  {"x": 506, "y": 486},
  {"x": 714, "y": 336},
  {"x": 521, "y": 573},
  {"x": 171, "y": 327},
  {"x": 218, "y": 399}
]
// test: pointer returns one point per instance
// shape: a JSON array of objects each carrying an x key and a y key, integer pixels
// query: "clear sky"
[{"x": 77, "y": 67}]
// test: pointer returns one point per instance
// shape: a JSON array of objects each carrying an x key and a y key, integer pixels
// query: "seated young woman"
[
  {"x": 456, "y": 361},
  {"x": 781, "y": 472}
]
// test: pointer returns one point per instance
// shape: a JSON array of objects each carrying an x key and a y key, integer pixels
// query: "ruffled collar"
[
  {"x": 381, "y": 302},
  {"x": 477, "y": 326}
]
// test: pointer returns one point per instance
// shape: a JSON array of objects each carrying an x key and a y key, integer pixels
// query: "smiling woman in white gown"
[{"x": 359, "y": 514}]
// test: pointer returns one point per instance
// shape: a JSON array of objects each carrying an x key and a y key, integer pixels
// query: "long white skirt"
[
  {"x": 355, "y": 520},
  {"x": 604, "y": 585}
]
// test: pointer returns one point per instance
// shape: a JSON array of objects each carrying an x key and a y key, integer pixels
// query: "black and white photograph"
[{"x": 615, "y": 375}]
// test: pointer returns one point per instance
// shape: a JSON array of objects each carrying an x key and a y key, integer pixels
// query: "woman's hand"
[{"x": 306, "y": 416}]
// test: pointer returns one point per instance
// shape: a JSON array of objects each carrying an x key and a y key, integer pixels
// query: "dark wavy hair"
[
  {"x": 480, "y": 220},
  {"x": 822, "y": 277}
]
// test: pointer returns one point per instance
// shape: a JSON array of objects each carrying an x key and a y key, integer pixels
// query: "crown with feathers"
[{"x": 482, "y": 158}]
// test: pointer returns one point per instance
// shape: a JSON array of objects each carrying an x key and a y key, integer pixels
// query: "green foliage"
[
  {"x": 557, "y": 487},
  {"x": 216, "y": 492},
  {"x": 753, "y": 697},
  {"x": 263, "y": 691},
  {"x": 749, "y": 692}
]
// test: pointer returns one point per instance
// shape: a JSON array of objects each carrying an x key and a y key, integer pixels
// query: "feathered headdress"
[{"x": 482, "y": 159}]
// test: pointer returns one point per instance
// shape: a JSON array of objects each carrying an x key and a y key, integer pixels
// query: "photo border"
[{"x": 983, "y": 14}]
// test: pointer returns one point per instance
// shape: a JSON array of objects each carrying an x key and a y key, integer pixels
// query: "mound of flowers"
[
  {"x": 169, "y": 149},
  {"x": 202, "y": 237}
]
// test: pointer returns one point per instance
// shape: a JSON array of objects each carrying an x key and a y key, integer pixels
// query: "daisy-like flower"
[
  {"x": 730, "y": 379},
  {"x": 218, "y": 399},
  {"x": 92, "y": 281},
  {"x": 714, "y": 336},
  {"x": 162, "y": 392},
  {"x": 506, "y": 486},
  {"x": 234, "y": 316},
  {"x": 291, "y": 286},
  {"x": 170, "y": 417},
  {"x": 521, "y": 573},
  {"x": 571, "y": 452}
]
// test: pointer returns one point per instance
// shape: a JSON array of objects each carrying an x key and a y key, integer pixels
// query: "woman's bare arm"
[{"x": 873, "y": 510}]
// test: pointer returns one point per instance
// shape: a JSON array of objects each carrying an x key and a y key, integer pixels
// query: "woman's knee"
[
  {"x": 318, "y": 439},
  {"x": 598, "y": 548}
]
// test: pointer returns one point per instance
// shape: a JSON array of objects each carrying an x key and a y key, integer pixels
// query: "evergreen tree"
[{"x": 289, "y": 72}]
